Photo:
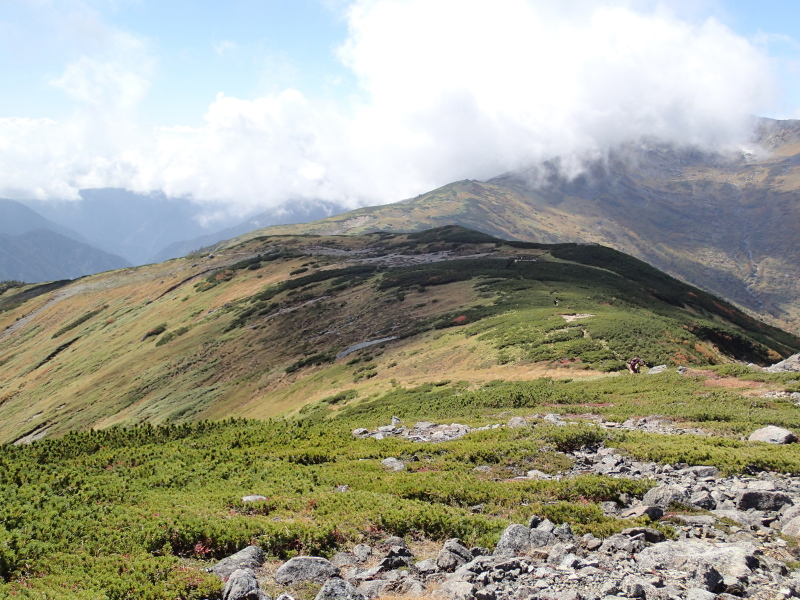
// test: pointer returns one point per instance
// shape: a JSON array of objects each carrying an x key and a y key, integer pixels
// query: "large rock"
[
  {"x": 455, "y": 590},
  {"x": 791, "y": 528},
  {"x": 791, "y": 364},
  {"x": 251, "y": 557},
  {"x": 761, "y": 500},
  {"x": 665, "y": 495},
  {"x": 452, "y": 555},
  {"x": 338, "y": 589},
  {"x": 697, "y": 557},
  {"x": 306, "y": 568},
  {"x": 242, "y": 585},
  {"x": 515, "y": 541},
  {"x": 773, "y": 435}
]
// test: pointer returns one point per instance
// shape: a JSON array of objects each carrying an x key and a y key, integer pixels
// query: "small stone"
[
  {"x": 362, "y": 552},
  {"x": 253, "y": 498},
  {"x": 393, "y": 464},
  {"x": 339, "y": 589},
  {"x": 654, "y": 513}
]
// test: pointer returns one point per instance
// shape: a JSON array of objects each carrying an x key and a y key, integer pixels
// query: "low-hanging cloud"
[{"x": 448, "y": 89}]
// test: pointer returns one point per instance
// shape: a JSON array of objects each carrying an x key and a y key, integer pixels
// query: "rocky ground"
[{"x": 728, "y": 541}]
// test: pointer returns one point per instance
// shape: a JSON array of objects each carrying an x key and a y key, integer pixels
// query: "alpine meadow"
[{"x": 147, "y": 405}]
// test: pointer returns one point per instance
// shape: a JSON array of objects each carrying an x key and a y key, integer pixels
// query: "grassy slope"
[
  {"x": 725, "y": 224},
  {"x": 139, "y": 512},
  {"x": 256, "y": 340}
]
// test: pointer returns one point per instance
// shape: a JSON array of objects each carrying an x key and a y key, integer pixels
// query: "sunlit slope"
[
  {"x": 268, "y": 326},
  {"x": 727, "y": 223}
]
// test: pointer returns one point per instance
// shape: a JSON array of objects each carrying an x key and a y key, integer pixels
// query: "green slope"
[{"x": 260, "y": 329}]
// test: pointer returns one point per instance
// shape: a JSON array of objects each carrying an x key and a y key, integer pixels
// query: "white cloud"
[
  {"x": 450, "y": 89},
  {"x": 117, "y": 79}
]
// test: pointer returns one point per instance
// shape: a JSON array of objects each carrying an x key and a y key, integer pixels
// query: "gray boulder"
[
  {"x": 563, "y": 532},
  {"x": 452, "y": 555},
  {"x": 455, "y": 590},
  {"x": 373, "y": 588},
  {"x": 703, "y": 500},
  {"x": 427, "y": 566},
  {"x": 339, "y": 589},
  {"x": 791, "y": 364},
  {"x": 242, "y": 585},
  {"x": 761, "y": 500},
  {"x": 306, "y": 568},
  {"x": 665, "y": 495},
  {"x": 395, "y": 540},
  {"x": 692, "y": 556},
  {"x": 703, "y": 471},
  {"x": 791, "y": 528},
  {"x": 251, "y": 557},
  {"x": 515, "y": 541},
  {"x": 516, "y": 422},
  {"x": 790, "y": 513},
  {"x": 362, "y": 552},
  {"x": 773, "y": 435}
]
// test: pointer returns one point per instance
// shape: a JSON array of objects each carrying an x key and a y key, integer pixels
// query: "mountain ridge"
[
  {"x": 276, "y": 323},
  {"x": 723, "y": 221},
  {"x": 44, "y": 255}
]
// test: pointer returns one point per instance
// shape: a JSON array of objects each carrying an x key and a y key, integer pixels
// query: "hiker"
[{"x": 634, "y": 364}]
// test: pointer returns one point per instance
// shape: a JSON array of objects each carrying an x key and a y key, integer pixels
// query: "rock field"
[{"x": 729, "y": 541}]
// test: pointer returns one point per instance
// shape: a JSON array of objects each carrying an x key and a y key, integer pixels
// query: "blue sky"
[{"x": 368, "y": 101}]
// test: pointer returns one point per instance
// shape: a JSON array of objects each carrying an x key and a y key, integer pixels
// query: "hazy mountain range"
[{"x": 111, "y": 228}]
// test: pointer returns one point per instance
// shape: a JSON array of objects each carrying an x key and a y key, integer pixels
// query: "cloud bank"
[{"x": 448, "y": 89}]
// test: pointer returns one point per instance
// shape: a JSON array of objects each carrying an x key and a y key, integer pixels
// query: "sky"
[{"x": 258, "y": 102}]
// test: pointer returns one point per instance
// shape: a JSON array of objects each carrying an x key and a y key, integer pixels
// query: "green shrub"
[{"x": 157, "y": 330}]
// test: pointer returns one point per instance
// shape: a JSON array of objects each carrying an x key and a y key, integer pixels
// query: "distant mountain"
[
  {"x": 146, "y": 228},
  {"x": 727, "y": 223},
  {"x": 44, "y": 255},
  {"x": 301, "y": 211},
  {"x": 16, "y": 219},
  {"x": 134, "y": 226}
]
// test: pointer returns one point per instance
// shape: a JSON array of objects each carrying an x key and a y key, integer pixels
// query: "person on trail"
[{"x": 634, "y": 364}]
